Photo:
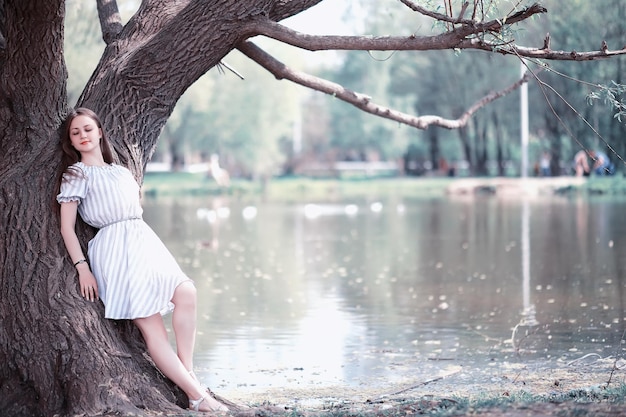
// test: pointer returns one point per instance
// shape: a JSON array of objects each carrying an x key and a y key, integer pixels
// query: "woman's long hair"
[{"x": 70, "y": 155}]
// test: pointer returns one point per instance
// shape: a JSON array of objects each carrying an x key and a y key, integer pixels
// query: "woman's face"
[{"x": 85, "y": 134}]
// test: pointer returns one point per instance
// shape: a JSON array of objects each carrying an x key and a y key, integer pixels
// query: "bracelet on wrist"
[{"x": 80, "y": 261}]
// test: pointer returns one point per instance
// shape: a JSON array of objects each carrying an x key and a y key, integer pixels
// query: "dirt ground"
[{"x": 573, "y": 388}]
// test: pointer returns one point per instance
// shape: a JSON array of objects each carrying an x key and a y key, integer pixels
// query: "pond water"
[{"x": 358, "y": 292}]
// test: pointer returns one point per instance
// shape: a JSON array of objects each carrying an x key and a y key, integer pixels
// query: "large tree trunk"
[
  {"x": 467, "y": 148},
  {"x": 58, "y": 355},
  {"x": 433, "y": 148},
  {"x": 498, "y": 132}
]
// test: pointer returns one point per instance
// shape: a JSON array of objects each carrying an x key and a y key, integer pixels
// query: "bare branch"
[
  {"x": 463, "y": 10},
  {"x": 110, "y": 20},
  {"x": 289, "y": 36},
  {"x": 361, "y": 101},
  {"x": 543, "y": 53},
  {"x": 437, "y": 16},
  {"x": 460, "y": 38},
  {"x": 493, "y": 25}
]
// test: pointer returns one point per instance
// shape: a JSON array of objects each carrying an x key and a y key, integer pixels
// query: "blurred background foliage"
[{"x": 261, "y": 127}]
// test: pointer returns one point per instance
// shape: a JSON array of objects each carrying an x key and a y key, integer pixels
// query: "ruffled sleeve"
[{"x": 73, "y": 188}]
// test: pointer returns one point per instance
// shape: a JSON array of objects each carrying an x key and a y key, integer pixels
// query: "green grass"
[
  {"x": 572, "y": 403},
  {"x": 329, "y": 189},
  {"x": 293, "y": 188},
  {"x": 590, "y": 402},
  {"x": 460, "y": 406},
  {"x": 605, "y": 185}
]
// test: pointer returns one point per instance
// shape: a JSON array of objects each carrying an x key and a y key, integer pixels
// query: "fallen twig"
[
  {"x": 615, "y": 363},
  {"x": 418, "y": 385},
  {"x": 588, "y": 355}
]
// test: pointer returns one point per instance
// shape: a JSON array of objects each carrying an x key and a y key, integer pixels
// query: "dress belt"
[{"x": 119, "y": 221}]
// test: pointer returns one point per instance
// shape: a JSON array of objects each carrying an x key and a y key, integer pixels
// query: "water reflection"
[
  {"x": 375, "y": 293},
  {"x": 527, "y": 326}
]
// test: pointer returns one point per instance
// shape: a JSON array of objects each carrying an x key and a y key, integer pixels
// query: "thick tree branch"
[
  {"x": 287, "y": 8},
  {"x": 162, "y": 50},
  {"x": 110, "y": 20},
  {"x": 464, "y": 37},
  {"x": 363, "y": 102}
]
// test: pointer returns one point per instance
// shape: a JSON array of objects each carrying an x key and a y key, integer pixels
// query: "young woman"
[{"x": 127, "y": 267}]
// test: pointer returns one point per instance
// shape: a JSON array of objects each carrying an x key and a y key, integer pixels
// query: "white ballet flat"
[{"x": 195, "y": 405}]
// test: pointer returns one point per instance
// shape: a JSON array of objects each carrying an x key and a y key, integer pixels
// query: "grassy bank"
[
  {"x": 298, "y": 188},
  {"x": 594, "y": 402},
  {"x": 293, "y": 188}
]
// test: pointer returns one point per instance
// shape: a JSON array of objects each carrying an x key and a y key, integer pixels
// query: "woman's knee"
[
  {"x": 185, "y": 294},
  {"x": 151, "y": 327}
]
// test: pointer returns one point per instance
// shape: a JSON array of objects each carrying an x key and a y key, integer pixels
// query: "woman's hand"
[{"x": 88, "y": 285}]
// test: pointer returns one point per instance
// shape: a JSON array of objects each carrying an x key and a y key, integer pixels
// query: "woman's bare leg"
[
  {"x": 153, "y": 330},
  {"x": 184, "y": 322}
]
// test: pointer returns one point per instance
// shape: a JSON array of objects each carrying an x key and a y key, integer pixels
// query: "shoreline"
[
  {"x": 499, "y": 388},
  {"x": 516, "y": 186},
  {"x": 328, "y": 189}
]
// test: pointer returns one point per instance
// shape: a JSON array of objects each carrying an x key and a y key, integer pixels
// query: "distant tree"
[
  {"x": 58, "y": 356},
  {"x": 565, "y": 114}
]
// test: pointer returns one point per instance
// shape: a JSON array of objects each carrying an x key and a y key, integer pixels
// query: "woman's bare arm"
[{"x": 88, "y": 286}]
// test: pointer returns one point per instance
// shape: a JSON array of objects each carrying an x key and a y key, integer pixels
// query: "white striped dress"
[{"x": 135, "y": 272}]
